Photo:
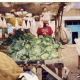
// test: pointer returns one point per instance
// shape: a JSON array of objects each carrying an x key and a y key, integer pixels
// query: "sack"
[
  {"x": 28, "y": 75},
  {"x": 9, "y": 70},
  {"x": 65, "y": 35},
  {"x": 77, "y": 41}
]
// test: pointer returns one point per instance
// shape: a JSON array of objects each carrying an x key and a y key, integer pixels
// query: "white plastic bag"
[
  {"x": 65, "y": 35},
  {"x": 40, "y": 23},
  {"x": 28, "y": 75},
  {"x": 77, "y": 41},
  {"x": 23, "y": 25},
  {"x": 28, "y": 25},
  {"x": 4, "y": 23},
  {"x": 16, "y": 25}
]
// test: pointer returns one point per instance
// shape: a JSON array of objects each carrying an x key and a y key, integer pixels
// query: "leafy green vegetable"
[{"x": 29, "y": 48}]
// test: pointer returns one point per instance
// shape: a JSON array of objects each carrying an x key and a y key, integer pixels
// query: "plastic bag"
[
  {"x": 40, "y": 23},
  {"x": 28, "y": 25},
  {"x": 16, "y": 25},
  {"x": 23, "y": 25},
  {"x": 46, "y": 18},
  {"x": 4, "y": 23},
  {"x": 65, "y": 35},
  {"x": 28, "y": 75},
  {"x": 77, "y": 41}
]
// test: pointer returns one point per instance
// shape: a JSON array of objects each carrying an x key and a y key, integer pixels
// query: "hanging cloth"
[
  {"x": 4, "y": 23},
  {"x": 16, "y": 25},
  {"x": 40, "y": 23},
  {"x": 1, "y": 23},
  {"x": 23, "y": 25},
  {"x": 28, "y": 25}
]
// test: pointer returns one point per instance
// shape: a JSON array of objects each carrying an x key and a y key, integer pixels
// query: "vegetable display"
[
  {"x": 30, "y": 48},
  {"x": 25, "y": 47}
]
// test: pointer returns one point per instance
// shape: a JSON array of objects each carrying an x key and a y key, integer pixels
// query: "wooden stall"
[{"x": 47, "y": 65}]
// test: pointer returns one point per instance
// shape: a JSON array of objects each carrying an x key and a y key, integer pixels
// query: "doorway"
[{"x": 74, "y": 35}]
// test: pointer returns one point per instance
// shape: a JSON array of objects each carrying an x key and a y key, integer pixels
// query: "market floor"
[{"x": 70, "y": 56}]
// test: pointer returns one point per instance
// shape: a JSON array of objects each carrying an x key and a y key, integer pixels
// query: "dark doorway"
[{"x": 74, "y": 35}]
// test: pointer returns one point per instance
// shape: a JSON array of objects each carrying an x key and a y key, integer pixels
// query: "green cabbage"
[{"x": 31, "y": 48}]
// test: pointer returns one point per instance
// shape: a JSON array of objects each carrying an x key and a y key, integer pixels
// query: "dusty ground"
[{"x": 70, "y": 56}]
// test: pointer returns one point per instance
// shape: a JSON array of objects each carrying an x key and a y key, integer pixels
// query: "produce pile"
[{"x": 29, "y": 48}]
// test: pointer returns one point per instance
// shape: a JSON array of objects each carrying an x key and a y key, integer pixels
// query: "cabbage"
[
  {"x": 44, "y": 56},
  {"x": 31, "y": 49},
  {"x": 27, "y": 46}
]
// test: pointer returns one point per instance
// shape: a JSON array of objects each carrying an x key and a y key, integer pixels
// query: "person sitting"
[{"x": 45, "y": 30}]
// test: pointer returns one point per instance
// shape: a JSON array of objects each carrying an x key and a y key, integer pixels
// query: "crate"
[
  {"x": 4, "y": 49},
  {"x": 47, "y": 65}
]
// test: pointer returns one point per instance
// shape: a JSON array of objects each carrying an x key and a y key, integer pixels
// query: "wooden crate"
[
  {"x": 47, "y": 65},
  {"x": 4, "y": 49}
]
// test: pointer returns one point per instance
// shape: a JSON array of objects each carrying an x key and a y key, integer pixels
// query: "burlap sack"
[
  {"x": 9, "y": 70},
  {"x": 65, "y": 35}
]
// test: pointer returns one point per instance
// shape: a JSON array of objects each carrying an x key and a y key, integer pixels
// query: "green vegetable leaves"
[{"x": 30, "y": 48}]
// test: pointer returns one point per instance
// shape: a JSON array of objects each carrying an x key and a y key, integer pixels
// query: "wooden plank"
[
  {"x": 59, "y": 53},
  {"x": 60, "y": 72},
  {"x": 3, "y": 34},
  {"x": 53, "y": 61},
  {"x": 3, "y": 50},
  {"x": 39, "y": 73},
  {"x": 51, "y": 72},
  {"x": 3, "y": 47}
]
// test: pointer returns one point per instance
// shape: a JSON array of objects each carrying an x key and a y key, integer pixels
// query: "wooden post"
[
  {"x": 60, "y": 72},
  {"x": 3, "y": 34},
  {"x": 78, "y": 61},
  {"x": 39, "y": 73},
  {"x": 58, "y": 35},
  {"x": 56, "y": 27},
  {"x": 59, "y": 53}
]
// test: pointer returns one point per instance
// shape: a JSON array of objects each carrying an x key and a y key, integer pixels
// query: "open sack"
[{"x": 9, "y": 70}]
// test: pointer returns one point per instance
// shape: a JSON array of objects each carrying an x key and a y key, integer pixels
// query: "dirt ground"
[{"x": 70, "y": 56}]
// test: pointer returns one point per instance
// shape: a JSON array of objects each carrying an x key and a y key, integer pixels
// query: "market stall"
[{"x": 22, "y": 46}]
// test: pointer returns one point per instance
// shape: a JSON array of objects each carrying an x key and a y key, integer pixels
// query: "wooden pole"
[
  {"x": 3, "y": 34},
  {"x": 39, "y": 73},
  {"x": 59, "y": 53},
  {"x": 58, "y": 35},
  {"x": 56, "y": 27}
]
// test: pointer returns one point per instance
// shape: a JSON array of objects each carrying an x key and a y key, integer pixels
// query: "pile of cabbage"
[{"x": 31, "y": 49}]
